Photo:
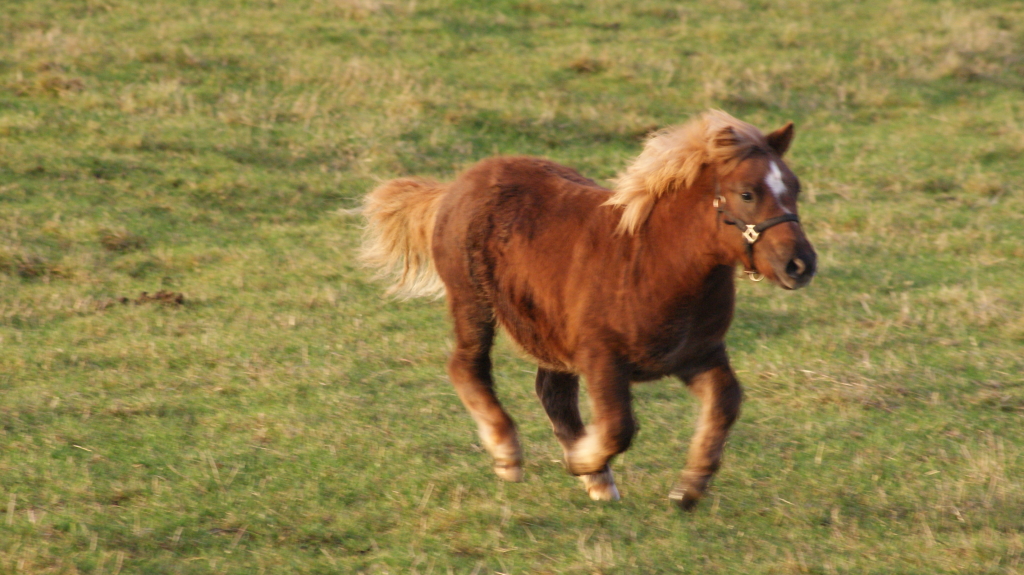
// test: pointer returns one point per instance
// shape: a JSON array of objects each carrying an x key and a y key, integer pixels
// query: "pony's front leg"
[
  {"x": 559, "y": 394},
  {"x": 612, "y": 426},
  {"x": 720, "y": 395}
]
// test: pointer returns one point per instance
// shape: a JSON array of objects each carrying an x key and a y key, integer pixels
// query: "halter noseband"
[{"x": 751, "y": 232}]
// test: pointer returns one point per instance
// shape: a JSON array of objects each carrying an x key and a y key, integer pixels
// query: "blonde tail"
[{"x": 400, "y": 215}]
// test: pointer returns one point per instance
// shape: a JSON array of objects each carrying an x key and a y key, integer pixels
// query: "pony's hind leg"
[
  {"x": 720, "y": 395},
  {"x": 470, "y": 371},
  {"x": 559, "y": 394}
]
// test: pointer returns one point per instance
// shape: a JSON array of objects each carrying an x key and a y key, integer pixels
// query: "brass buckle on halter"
[
  {"x": 750, "y": 234},
  {"x": 754, "y": 276}
]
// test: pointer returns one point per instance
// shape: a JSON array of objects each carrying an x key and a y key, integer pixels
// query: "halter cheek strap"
[{"x": 751, "y": 232}]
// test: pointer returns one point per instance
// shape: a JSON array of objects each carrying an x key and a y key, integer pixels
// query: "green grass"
[{"x": 289, "y": 419}]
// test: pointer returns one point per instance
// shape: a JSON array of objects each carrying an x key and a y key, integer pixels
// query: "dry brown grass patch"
[
  {"x": 587, "y": 65},
  {"x": 120, "y": 240}
]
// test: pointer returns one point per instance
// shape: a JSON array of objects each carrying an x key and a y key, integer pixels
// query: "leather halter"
[{"x": 751, "y": 232}]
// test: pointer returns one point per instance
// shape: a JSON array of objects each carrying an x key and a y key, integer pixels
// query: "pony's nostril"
[{"x": 796, "y": 268}]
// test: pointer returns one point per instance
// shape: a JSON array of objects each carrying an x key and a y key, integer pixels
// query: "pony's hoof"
[
  {"x": 601, "y": 485},
  {"x": 685, "y": 499},
  {"x": 513, "y": 473}
]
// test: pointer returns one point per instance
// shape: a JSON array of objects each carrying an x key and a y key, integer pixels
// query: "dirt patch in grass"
[{"x": 161, "y": 297}]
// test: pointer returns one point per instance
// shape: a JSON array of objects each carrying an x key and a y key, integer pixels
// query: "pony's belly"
[
  {"x": 687, "y": 359},
  {"x": 545, "y": 351}
]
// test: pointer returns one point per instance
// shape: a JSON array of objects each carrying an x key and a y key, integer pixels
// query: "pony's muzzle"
[{"x": 801, "y": 269}]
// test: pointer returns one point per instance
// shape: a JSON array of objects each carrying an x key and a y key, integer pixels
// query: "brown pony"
[{"x": 618, "y": 286}]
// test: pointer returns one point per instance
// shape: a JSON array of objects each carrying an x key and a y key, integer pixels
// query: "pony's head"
[
  {"x": 740, "y": 174},
  {"x": 756, "y": 200}
]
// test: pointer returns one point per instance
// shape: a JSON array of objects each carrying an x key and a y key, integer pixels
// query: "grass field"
[{"x": 287, "y": 418}]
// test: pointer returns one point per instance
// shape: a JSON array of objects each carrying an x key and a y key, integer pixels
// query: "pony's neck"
[{"x": 682, "y": 236}]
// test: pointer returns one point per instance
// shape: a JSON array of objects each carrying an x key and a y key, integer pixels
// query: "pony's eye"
[{"x": 747, "y": 196}]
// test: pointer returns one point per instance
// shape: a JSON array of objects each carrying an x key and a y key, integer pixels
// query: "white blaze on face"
[{"x": 774, "y": 181}]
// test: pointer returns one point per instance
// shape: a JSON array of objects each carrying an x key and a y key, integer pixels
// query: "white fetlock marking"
[
  {"x": 587, "y": 452},
  {"x": 507, "y": 452},
  {"x": 601, "y": 486},
  {"x": 507, "y": 456}
]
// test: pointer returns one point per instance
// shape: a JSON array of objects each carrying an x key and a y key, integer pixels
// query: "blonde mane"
[{"x": 673, "y": 159}]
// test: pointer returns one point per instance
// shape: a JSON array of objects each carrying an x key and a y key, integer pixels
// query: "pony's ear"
[{"x": 780, "y": 139}]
